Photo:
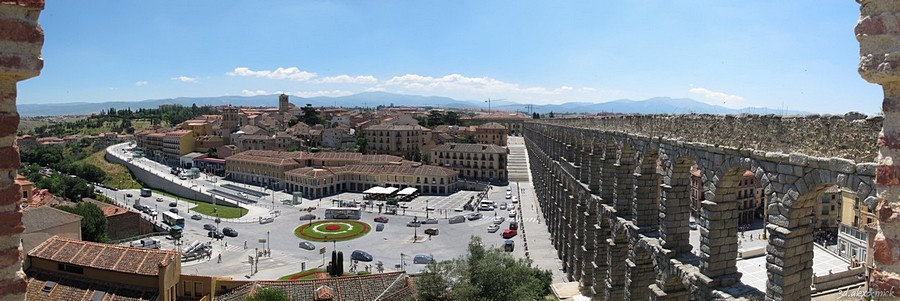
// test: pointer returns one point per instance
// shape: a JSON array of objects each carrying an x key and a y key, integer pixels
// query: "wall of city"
[
  {"x": 149, "y": 179},
  {"x": 853, "y": 136}
]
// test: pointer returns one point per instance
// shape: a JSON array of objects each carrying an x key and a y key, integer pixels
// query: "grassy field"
[
  {"x": 117, "y": 175},
  {"x": 209, "y": 209}
]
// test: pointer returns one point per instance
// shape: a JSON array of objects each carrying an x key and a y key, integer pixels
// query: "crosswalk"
[{"x": 532, "y": 220}]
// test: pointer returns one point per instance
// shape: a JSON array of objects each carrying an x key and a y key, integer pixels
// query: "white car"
[
  {"x": 511, "y": 207},
  {"x": 515, "y": 199},
  {"x": 499, "y": 220},
  {"x": 512, "y": 214},
  {"x": 493, "y": 228}
]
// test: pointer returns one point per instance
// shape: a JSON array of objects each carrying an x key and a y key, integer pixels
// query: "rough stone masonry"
[
  {"x": 21, "y": 39},
  {"x": 878, "y": 31}
]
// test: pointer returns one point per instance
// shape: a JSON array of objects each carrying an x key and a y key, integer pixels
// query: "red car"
[
  {"x": 381, "y": 219},
  {"x": 509, "y": 233}
]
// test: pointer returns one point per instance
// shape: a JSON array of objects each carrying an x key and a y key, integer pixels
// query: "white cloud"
[
  {"x": 246, "y": 92},
  {"x": 720, "y": 98},
  {"x": 346, "y": 79},
  {"x": 141, "y": 83},
  {"x": 186, "y": 79},
  {"x": 290, "y": 73},
  {"x": 588, "y": 89},
  {"x": 332, "y": 93}
]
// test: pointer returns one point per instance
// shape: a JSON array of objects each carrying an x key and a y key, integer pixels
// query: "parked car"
[
  {"x": 360, "y": 256},
  {"x": 307, "y": 245},
  {"x": 431, "y": 221},
  {"x": 196, "y": 217},
  {"x": 432, "y": 231},
  {"x": 230, "y": 232},
  {"x": 308, "y": 216},
  {"x": 379, "y": 227},
  {"x": 414, "y": 224},
  {"x": 128, "y": 195},
  {"x": 215, "y": 234},
  {"x": 422, "y": 259},
  {"x": 457, "y": 219},
  {"x": 493, "y": 228},
  {"x": 173, "y": 204},
  {"x": 509, "y": 234},
  {"x": 513, "y": 225},
  {"x": 474, "y": 216},
  {"x": 381, "y": 219},
  {"x": 173, "y": 210},
  {"x": 499, "y": 220},
  {"x": 512, "y": 214}
]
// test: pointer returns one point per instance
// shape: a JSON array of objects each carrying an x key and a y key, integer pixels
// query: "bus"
[
  {"x": 145, "y": 192},
  {"x": 172, "y": 219},
  {"x": 343, "y": 213}
]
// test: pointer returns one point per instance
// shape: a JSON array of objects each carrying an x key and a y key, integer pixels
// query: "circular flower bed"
[{"x": 329, "y": 230}]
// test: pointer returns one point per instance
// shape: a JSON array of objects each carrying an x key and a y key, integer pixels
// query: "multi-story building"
[
  {"x": 176, "y": 144},
  {"x": 152, "y": 144},
  {"x": 406, "y": 141},
  {"x": 696, "y": 191},
  {"x": 749, "y": 199},
  {"x": 482, "y": 162},
  {"x": 827, "y": 211},
  {"x": 491, "y": 133},
  {"x": 245, "y": 142},
  {"x": 326, "y": 173},
  {"x": 512, "y": 121},
  {"x": 852, "y": 236},
  {"x": 337, "y": 137}
]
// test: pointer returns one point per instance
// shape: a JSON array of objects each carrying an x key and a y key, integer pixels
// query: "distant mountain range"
[{"x": 657, "y": 105}]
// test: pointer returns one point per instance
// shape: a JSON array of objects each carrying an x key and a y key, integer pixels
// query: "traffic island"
[{"x": 332, "y": 230}]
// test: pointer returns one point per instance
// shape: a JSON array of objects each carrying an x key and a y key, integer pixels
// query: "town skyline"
[{"x": 735, "y": 55}]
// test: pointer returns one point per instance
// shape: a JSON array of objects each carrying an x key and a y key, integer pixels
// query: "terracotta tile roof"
[
  {"x": 102, "y": 256},
  {"x": 492, "y": 126},
  {"x": 389, "y": 286},
  {"x": 391, "y": 127},
  {"x": 62, "y": 287},
  {"x": 470, "y": 148}
]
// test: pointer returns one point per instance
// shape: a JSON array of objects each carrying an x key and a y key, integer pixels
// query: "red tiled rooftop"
[{"x": 102, "y": 256}]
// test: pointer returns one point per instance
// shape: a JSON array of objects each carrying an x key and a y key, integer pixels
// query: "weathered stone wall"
[
  {"x": 878, "y": 34},
  {"x": 853, "y": 136},
  {"x": 21, "y": 39}
]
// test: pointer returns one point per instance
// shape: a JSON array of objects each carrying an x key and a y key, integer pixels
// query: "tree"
[
  {"x": 363, "y": 144},
  {"x": 311, "y": 115},
  {"x": 268, "y": 294},
  {"x": 483, "y": 274},
  {"x": 550, "y": 115},
  {"x": 212, "y": 152},
  {"x": 535, "y": 116},
  {"x": 93, "y": 222}
]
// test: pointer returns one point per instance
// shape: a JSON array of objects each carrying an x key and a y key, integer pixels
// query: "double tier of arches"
[{"x": 618, "y": 209}]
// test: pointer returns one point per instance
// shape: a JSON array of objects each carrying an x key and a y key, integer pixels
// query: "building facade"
[
  {"x": 481, "y": 162},
  {"x": 491, "y": 133},
  {"x": 399, "y": 140}
]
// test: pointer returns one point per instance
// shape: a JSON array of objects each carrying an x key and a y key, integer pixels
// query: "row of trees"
[
  {"x": 65, "y": 160},
  {"x": 121, "y": 120}
]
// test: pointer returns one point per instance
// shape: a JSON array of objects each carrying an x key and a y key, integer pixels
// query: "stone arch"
[
  {"x": 676, "y": 206},
  {"x": 625, "y": 178},
  {"x": 616, "y": 251},
  {"x": 645, "y": 211},
  {"x": 640, "y": 272},
  {"x": 608, "y": 171},
  {"x": 601, "y": 244},
  {"x": 718, "y": 234}
]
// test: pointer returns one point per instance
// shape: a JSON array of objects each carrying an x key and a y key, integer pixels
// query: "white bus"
[
  {"x": 172, "y": 219},
  {"x": 343, "y": 213}
]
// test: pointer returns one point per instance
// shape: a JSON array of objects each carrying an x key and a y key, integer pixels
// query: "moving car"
[
  {"x": 457, "y": 219},
  {"x": 508, "y": 195},
  {"x": 209, "y": 227},
  {"x": 432, "y": 221},
  {"x": 308, "y": 216},
  {"x": 173, "y": 210},
  {"x": 128, "y": 195},
  {"x": 307, "y": 245},
  {"x": 159, "y": 199},
  {"x": 499, "y": 220},
  {"x": 217, "y": 234},
  {"x": 414, "y": 224},
  {"x": 422, "y": 259},
  {"x": 515, "y": 199},
  {"x": 512, "y": 214},
  {"x": 152, "y": 212},
  {"x": 360, "y": 256},
  {"x": 513, "y": 225},
  {"x": 173, "y": 204},
  {"x": 509, "y": 234},
  {"x": 432, "y": 231},
  {"x": 509, "y": 245},
  {"x": 511, "y": 207},
  {"x": 493, "y": 228},
  {"x": 502, "y": 206},
  {"x": 196, "y": 217},
  {"x": 381, "y": 219},
  {"x": 379, "y": 227},
  {"x": 474, "y": 216},
  {"x": 230, "y": 232}
]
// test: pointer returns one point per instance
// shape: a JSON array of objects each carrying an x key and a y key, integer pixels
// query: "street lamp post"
[
  {"x": 268, "y": 244},
  {"x": 426, "y": 209}
]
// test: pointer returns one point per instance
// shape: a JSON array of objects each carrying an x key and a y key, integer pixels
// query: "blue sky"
[{"x": 800, "y": 55}]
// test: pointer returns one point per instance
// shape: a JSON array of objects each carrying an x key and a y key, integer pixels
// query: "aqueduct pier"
[{"x": 615, "y": 193}]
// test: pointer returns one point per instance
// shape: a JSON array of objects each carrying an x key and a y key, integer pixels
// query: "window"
[
  {"x": 187, "y": 289},
  {"x": 70, "y": 268}
]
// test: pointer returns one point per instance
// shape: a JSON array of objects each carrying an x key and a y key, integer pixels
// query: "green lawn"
[{"x": 208, "y": 209}]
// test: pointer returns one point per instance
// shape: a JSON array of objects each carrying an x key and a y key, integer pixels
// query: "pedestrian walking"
[{"x": 220, "y": 258}]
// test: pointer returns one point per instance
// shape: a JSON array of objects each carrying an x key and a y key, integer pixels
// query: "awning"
[
  {"x": 389, "y": 190},
  {"x": 374, "y": 190},
  {"x": 407, "y": 191}
]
